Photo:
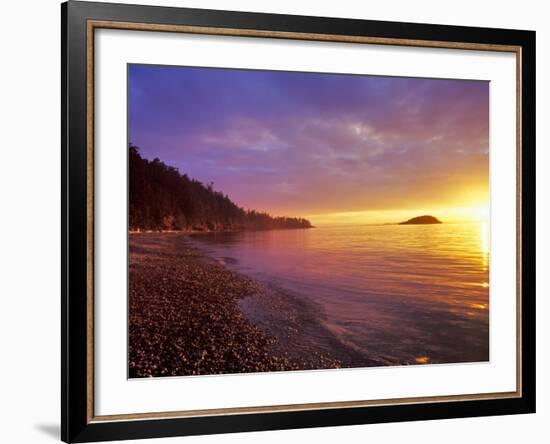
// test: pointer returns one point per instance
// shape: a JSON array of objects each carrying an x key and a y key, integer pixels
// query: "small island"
[{"x": 421, "y": 220}]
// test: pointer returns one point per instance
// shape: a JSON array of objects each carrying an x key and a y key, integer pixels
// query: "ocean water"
[{"x": 398, "y": 294}]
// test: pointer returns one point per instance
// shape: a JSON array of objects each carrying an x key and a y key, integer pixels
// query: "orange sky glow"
[{"x": 330, "y": 147}]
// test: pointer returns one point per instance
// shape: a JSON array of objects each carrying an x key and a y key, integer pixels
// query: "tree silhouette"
[{"x": 163, "y": 199}]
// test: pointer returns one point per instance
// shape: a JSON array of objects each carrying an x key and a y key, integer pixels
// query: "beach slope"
[{"x": 185, "y": 315}]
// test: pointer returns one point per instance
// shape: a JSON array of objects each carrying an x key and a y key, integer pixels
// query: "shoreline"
[
  {"x": 195, "y": 311},
  {"x": 232, "y": 230},
  {"x": 191, "y": 315}
]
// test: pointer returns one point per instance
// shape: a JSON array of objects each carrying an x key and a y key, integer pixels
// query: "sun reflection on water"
[
  {"x": 484, "y": 237},
  {"x": 390, "y": 291}
]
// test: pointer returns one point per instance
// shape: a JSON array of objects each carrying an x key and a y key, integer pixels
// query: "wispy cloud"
[{"x": 305, "y": 143}]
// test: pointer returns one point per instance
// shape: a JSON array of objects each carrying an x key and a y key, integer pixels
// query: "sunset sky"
[{"x": 334, "y": 148}]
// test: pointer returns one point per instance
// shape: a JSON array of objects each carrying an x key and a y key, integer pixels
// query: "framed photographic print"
[{"x": 275, "y": 221}]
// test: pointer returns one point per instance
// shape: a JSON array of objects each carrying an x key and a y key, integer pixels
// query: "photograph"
[
  {"x": 291, "y": 219},
  {"x": 300, "y": 221}
]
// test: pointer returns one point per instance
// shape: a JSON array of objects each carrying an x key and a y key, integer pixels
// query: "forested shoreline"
[{"x": 163, "y": 199}]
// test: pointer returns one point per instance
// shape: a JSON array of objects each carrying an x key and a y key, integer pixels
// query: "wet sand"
[{"x": 191, "y": 315}]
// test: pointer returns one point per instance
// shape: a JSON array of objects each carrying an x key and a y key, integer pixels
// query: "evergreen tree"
[{"x": 163, "y": 199}]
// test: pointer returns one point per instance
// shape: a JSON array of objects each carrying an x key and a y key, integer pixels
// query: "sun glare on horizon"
[{"x": 446, "y": 215}]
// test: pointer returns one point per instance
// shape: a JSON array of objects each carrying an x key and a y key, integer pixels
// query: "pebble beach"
[{"x": 191, "y": 315}]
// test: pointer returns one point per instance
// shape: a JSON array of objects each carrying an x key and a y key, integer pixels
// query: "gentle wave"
[{"x": 397, "y": 294}]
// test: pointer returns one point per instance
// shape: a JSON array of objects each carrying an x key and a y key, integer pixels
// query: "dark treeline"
[{"x": 163, "y": 199}]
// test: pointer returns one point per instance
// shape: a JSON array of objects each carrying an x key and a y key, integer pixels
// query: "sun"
[{"x": 481, "y": 213}]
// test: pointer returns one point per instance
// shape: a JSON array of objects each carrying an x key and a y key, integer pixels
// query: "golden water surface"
[{"x": 399, "y": 294}]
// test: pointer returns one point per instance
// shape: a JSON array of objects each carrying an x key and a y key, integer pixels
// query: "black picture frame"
[{"x": 76, "y": 423}]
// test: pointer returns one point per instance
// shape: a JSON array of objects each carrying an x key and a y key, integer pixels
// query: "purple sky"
[{"x": 306, "y": 143}]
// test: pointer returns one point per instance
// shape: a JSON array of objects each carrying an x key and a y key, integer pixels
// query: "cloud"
[{"x": 303, "y": 143}]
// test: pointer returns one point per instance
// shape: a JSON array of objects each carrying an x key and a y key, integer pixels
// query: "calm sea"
[{"x": 399, "y": 294}]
